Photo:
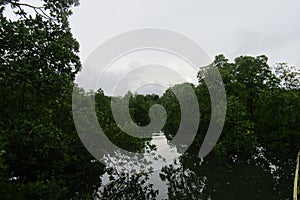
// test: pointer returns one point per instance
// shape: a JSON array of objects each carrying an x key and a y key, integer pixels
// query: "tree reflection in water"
[
  {"x": 183, "y": 183},
  {"x": 138, "y": 177},
  {"x": 127, "y": 186},
  {"x": 188, "y": 177}
]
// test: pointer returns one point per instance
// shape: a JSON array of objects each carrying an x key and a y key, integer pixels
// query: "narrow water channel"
[{"x": 167, "y": 174}]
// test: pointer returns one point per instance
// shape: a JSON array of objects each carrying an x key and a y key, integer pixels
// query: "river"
[{"x": 168, "y": 174}]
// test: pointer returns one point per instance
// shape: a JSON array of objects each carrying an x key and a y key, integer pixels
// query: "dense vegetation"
[
  {"x": 41, "y": 155},
  {"x": 262, "y": 107}
]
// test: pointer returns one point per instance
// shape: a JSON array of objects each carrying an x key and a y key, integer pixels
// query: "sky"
[{"x": 232, "y": 28}]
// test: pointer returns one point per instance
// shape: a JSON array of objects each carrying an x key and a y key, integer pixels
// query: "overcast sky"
[{"x": 229, "y": 27}]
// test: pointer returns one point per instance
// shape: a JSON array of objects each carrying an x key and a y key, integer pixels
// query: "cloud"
[
  {"x": 229, "y": 27},
  {"x": 139, "y": 71}
]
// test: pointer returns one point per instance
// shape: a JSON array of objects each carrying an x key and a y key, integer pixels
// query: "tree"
[
  {"x": 41, "y": 154},
  {"x": 259, "y": 100}
]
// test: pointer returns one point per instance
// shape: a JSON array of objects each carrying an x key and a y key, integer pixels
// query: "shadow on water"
[{"x": 167, "y": 174}]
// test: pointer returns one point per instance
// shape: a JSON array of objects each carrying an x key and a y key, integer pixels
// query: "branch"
[
  {"x": 25, "y": 4},
  {"x": 35, "y": 8}
]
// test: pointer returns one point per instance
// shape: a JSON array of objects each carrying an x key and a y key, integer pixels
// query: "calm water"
[{"x": 167, "y": 174}]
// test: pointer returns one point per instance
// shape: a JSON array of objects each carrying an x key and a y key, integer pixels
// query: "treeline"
[{"x": 262, "y": 107}]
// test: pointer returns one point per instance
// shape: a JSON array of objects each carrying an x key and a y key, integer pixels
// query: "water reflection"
[
  {"x": 167, "y": 174},
  {"x": 142, "y": 174}
]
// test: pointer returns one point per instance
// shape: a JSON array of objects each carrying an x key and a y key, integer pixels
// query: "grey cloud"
[{"x": 230, "y": 27}]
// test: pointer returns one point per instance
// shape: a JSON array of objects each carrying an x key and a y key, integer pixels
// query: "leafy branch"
[{"x": 39, "y": 10}]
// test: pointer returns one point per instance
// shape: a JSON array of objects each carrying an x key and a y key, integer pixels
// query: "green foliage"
[
  {"x": 41, "y": 154},
  {"x": 113, "y": 131},
  {"x": 172, "y": 107},
  {"x": 262, "y": 106}
]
